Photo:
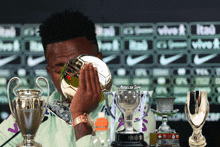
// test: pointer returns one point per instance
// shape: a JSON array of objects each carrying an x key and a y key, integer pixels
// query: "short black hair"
[{"x": 65, "y": 25}]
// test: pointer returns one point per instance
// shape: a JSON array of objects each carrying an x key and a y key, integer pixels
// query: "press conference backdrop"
[{"x": 168, "y": 58}]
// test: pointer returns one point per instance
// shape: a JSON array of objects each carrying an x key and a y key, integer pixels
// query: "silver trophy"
[
  {"x": 28, "y": 111},
  {"x": 128, "y": 102},
  {"x": 165, "y": 110},
  {"x": 197, "y": 110}
]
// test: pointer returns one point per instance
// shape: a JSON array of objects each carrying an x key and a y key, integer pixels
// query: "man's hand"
[{"x": 87, "y": 97}]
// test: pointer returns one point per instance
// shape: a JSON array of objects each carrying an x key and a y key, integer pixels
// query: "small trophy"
[
  {"x": 197, "y": 110},
  {"x": 164, "y": 135},
  {"x": 28, "y": 111},
  {"x": 128, "y": 102}
]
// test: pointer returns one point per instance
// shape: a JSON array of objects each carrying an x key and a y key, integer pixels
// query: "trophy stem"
[
  {"x": 129, "y": 123},
  {"x": 164, "y": 127},
  {"x": 29, "y": 141},
  {"x": 197, "y": 139}
]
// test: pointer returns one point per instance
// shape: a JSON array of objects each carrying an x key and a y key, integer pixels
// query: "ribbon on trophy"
[
  {"x": 142, "y": 105},
  {"x": 114, "y": 112}
]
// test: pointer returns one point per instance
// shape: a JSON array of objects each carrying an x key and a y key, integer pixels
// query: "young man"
[{"x": 65, "y": 35}]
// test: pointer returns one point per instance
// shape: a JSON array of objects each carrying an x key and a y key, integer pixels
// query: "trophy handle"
[
  {"x": 149, "y": 106},
  {"x": 9, "y": 100},
  {"x": 107, "y": 104},
  {"x": 48, "y": 92}
]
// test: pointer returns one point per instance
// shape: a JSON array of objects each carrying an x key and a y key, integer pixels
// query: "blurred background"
[{"x": 168, "y": 46}]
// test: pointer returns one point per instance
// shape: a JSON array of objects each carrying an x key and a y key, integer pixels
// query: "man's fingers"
[
  {"x": 97, "y": 84},
  {"x": 92, "y": 78},
  {"x": 87, "y": 77},
  {"x": 82, "y": 80}
]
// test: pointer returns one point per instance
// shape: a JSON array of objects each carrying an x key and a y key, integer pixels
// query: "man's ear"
[
  {"x": 48, "y": 69},
  {"x": 100, "y": 55}
]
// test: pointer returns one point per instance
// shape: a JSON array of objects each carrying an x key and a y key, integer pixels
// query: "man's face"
[{"x": 60, "y": 53}]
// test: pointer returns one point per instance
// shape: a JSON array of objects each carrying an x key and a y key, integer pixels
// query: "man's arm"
[{"x": 86, "y": 99}]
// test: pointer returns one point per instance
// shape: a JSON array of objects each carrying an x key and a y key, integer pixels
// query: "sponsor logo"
[
  {"x": 132, "y": 61},
  {"x": 5, "y": 72},
  {"x": 161, "y": 81},
  {"x": 206, "y": 89},
  {"x": 33, "y": 62},
  {"x": 142, "y": 81},
  {"x": 166, "y": 61},
  {"x": 119, "y": 81},
  {"x": 109, "y": 46},
  {"x": 181, "y": 81},
  {"x": 161, "y": 90},
  {"x": 128, "y": 31},
  {"x": 109, "y": 58},
  {"x": 15, "y": 46},
  {"x": 31, "y": 31},
  {"x": 7, "y": 33},
  {"x": 40, "y": 72},
  {"x": 139, "y": 31},
  {"x": 174, "y": 31},
  {"x": 217, "y": 80},
  {"x": 205, "y": 30},
  {"x": 202, "y": 71},
  {"x": 217, "y": 70},
  {"x": 36, "y": 46},
  {"x": 161, "y": 72},
  {"x": 140, "y": 72},
  {"x": 105, "y": 32},
  {"x": 171, "y": 44},
  {"x": 201, "y": 60},
  {"x": 178, "y": 90},
  {"x": 138, "y": 46},
  {"x": 201, "y": 44},
  {"x": 202, "y": 81},
  {"x": 6, "y": 60}
]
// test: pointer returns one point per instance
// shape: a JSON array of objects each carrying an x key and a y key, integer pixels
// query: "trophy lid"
[{"x": 28, "y": 93}]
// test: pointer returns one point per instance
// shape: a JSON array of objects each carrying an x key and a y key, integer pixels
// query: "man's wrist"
[{"x": 76, "y": 114}]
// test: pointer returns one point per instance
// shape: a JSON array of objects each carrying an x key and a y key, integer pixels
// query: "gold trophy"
[
  {"x": 28, "y": 111},
  {"x": 197, "y": 110},
  {"x": 69, "y": 83}
]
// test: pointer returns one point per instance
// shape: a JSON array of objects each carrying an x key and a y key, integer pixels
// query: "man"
[{"x": 65, "y": 35}]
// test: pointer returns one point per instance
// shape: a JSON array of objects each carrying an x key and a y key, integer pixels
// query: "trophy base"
[
  {"x": 129, "y": 140},
  {"x": 193, "y": 143},
  {"x": 32, "y": 144},
  {"x": 164, "y": 139}
]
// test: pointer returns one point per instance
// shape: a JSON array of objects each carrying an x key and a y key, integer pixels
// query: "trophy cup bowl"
[
  {"x": 197, "y": 110},
  {"x": 165, "y": 109},
  {"x": 128, "y": 102},
  {"x": 28, "y": 111},
  {"x": 69, "y": 83},
  {"x": 69, "y": 77}
]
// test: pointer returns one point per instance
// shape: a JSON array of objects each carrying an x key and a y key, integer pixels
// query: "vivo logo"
[
  {"x": 138, "y": 46},
  {"x": 199, "y": 44},
  {"x": 109, "y": 46},
  {"x": 36, "y": 46},
  {"x": 105, "y": 32},
  {"x": 15, "y": 46},
  {"x": 161, "y": 72},
  {"x": 7, "y": 33},
  {"x": 172, "y": 31},
  {"x": 205, "y": 30}
]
